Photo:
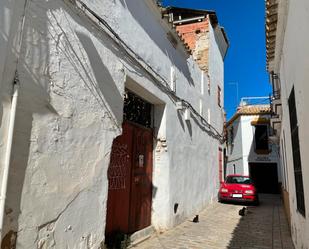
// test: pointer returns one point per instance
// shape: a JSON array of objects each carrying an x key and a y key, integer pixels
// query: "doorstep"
[{"x": 141, "y": 236}]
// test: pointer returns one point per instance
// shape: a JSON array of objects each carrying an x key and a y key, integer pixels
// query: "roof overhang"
[{"x": 271, "y": 32}]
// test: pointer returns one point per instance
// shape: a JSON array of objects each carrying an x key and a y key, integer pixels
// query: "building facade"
[
  {"x": 106, "y": 111},
  {"x": 249, "y": 150},
  {"x": 287, "y": 63}
]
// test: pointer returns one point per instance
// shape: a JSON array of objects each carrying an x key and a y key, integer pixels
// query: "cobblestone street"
[{"x": 220, "y": 226}]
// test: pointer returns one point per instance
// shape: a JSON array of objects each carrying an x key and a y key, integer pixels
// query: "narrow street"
[{"x": 220, "y": 226}]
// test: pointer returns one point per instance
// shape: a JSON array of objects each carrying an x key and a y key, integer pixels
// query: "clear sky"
[{"x": 245, "y": 63}]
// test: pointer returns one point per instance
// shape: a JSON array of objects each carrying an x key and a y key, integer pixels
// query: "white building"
[
  {"x": 288, "y": 64},
  {"x": 249, "y": 150},
  {"x": 87, "y": 72}
]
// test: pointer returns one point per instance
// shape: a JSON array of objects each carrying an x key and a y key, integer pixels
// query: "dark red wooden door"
[
  {"x": 141, "y": 188},
  {"x": 130, "y": 180},
  {"x": 220, "y": 159},
  {"x": 119, "y": 182}
]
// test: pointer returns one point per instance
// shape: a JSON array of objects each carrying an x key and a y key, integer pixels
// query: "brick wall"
[{"x": 195, "y": 35}]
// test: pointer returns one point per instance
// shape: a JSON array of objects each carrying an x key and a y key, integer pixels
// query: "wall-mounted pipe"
[{"x": 7, "y": 158}]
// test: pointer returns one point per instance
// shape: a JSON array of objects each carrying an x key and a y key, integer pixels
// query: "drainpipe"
[{"x": 7, "y": 157}]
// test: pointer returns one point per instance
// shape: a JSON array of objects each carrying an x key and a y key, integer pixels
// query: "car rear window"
[{"x": 238, "y": 180}]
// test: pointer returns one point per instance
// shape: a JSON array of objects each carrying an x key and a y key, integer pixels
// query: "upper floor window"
[
  {"x": 219, "y": 96},
  {"x": 261, "y": 138},
  {"x": 231, "y": 135}
]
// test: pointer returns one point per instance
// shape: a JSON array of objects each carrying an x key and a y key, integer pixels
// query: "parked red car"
[{"x": 238, "y": 188}]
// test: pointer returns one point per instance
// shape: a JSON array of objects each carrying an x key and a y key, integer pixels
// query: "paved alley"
[{"x": 221, "y": 226}]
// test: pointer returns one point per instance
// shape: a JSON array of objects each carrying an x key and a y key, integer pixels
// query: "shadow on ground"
[{"x": 263, "y": 226}]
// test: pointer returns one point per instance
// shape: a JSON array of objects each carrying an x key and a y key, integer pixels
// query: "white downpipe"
[{"x": 7, "y": 157}]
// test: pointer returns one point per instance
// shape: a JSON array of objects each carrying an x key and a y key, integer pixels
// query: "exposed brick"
[{"x": 195, "y": 36}]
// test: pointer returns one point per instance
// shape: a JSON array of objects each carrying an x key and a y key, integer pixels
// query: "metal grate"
[{"x": 137, "y": 110}]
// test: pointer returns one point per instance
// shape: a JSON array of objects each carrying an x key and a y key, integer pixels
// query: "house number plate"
[{"x": 141, "y": 161}]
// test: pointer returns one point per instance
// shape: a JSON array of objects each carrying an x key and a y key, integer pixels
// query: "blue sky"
[{"x": 245, "y": 63}]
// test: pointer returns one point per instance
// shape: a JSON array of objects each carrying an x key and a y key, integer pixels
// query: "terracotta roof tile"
[
  {"x": 254, "y": 109},
  {"x": 250, "y": 110}
]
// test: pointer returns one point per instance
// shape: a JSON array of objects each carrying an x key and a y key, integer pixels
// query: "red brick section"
[{"x": 189, "y": 32}]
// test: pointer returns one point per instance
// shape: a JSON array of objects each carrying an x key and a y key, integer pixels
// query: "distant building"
[
  {"x": 287, "y": 43},
  {"x": 118, "y": 119},
  {"x": 249, "y": 150}
]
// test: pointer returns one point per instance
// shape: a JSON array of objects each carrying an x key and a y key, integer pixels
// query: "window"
[
  {"x": 208, "y": 83},
  {"x": 219, "y": 96},
  {"x": 239, "y": 180},
  {"x": 298, "y": 175},
  {"x": 261, "y": 138},
  {"x": 231, "y": 133},
  {"x": 202, "y": 83},
  {"x": 137, "y": 110},
  {"x": 173, "y": 79}
]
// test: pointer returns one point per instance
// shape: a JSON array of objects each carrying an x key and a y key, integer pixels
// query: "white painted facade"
[
  {"x": 72, "y": 77},
  {"x": 241, "y": 148},
  {"x": 291, "y": 65}
]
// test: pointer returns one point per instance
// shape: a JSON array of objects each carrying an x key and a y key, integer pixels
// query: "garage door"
[{"x": 265, "y": 176}]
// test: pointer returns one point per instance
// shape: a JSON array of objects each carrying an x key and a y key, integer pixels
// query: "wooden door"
[
  {"x": 141, "y": 187},
  {"x": 130, "y": 181},
  {"x": 119, "y": 182},
  {"x": 220, "y": 159}
]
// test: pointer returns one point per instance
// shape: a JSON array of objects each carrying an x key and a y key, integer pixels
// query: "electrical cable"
[{"x": 160, "y": 81}]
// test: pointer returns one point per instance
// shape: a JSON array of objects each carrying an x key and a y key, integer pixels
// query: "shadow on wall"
[
  {"x": 104, "y": 80},
  {"x": 234, "y": 157},
  {"x": 157, "y": 35},
  {"x": 33, "y": 99},
  {"x": 236, "y": 131},
  {"x": 180, "y": 119}
]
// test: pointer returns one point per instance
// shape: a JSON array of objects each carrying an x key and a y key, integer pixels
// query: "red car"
[{"x": 238, "y": 188}]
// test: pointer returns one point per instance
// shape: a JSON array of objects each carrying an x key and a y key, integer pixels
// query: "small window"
[
  {"x": 219, "y": 96},
  {"x": 231, "y": 133},
  {"x": 202, "y": 83},
  {"x": 208, "y": 83}
]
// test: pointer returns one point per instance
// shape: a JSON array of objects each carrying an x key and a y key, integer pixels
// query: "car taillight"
[
  {"x": 251, "y": 192},
  {"x": 224, "y": 190}
]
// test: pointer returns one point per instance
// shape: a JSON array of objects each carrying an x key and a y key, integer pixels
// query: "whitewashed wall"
[
  {"x": 235, "y": 149},
  {"x": 243, "y": 151},
  {"x": 293, "y": 68},
  {"x": 72, "y": 80},
  {"x": 10, "y": 21},
  {"x": 249, "y": 154}
]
